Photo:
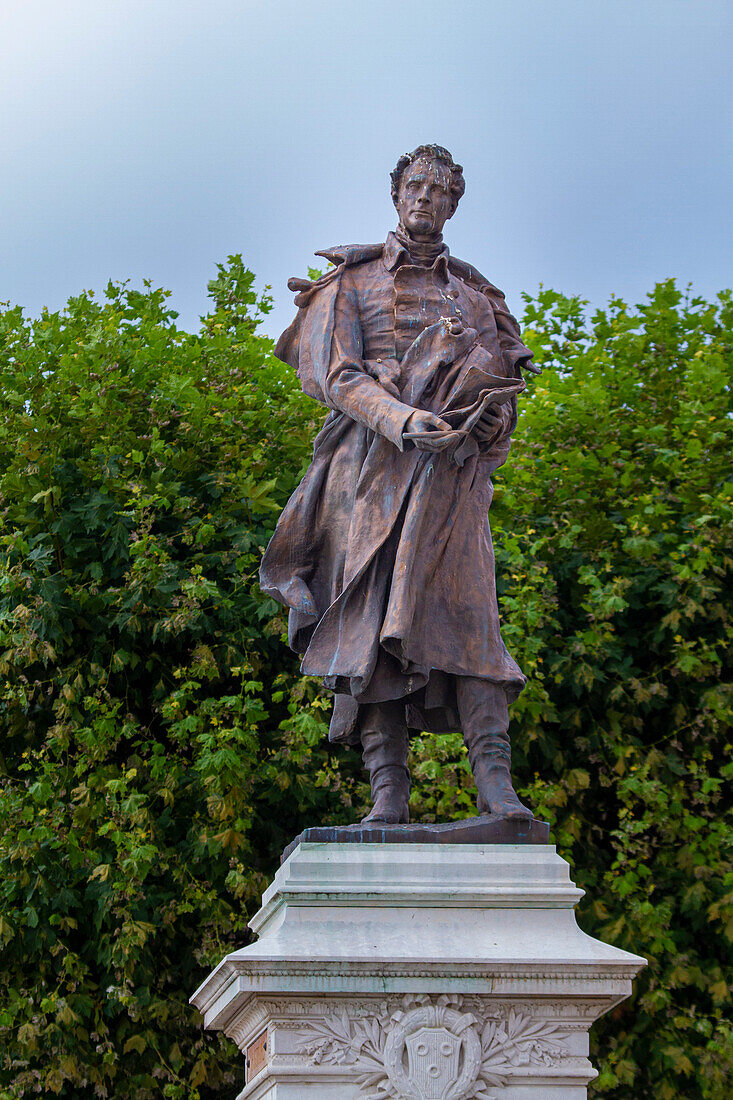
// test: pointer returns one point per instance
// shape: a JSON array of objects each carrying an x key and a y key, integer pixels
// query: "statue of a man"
[{"x": 383, "y": 555}]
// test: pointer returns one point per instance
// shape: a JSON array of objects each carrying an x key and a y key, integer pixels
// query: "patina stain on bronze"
[{"x": 383, "y": 555}]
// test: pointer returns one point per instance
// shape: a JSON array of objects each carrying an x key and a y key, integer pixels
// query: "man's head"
[{"x": 426, "y": 187}]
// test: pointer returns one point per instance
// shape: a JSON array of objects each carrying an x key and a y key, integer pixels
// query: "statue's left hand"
[{"x": 489, "y": 424}]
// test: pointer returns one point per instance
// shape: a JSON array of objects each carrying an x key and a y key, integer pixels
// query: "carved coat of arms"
[
  {"x": 430, "y": 1050},
  {"x": 433, "y": 1055}
]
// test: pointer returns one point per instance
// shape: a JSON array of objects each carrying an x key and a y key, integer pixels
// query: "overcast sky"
[{"x": 151, "y": 138}]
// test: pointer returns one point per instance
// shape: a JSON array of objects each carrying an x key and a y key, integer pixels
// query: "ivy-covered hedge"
[{"x": 160, "y": 747}]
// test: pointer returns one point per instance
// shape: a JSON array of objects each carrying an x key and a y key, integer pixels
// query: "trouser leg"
[
  {"x": 385, "y": 745},
  {"x": 484, "y": 714}
]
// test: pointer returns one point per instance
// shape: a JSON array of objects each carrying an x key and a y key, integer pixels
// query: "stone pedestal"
[{"x": 417, "y": 972}]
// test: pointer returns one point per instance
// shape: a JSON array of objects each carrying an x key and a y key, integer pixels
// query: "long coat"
[{"x": 383, "y": 554}]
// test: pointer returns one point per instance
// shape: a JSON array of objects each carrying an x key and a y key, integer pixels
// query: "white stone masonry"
[{"x": 417, "y": 972}]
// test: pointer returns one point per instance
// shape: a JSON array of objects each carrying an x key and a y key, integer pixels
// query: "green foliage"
[
  {"x": 147, "y": 790},
  {"x": 623, "y": 504},
  {"x": 160, "y": 747},
  {"x": 613, "y": 529}
]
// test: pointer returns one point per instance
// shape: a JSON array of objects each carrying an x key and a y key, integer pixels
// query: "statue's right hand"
[
  {"x": 426, "y": 424},
  {"x": 421, "y": 421}
]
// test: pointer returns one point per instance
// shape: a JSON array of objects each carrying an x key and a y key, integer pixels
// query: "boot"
[
  {"x": 390, "y": 795},
  {"x": 490, "y": 759},
  {"x": 484, "y": 714},
  {"x": 385, "y": 746}
]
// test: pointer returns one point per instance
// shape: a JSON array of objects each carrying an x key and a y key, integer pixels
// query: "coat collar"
[{"x": 395, "y": 254}]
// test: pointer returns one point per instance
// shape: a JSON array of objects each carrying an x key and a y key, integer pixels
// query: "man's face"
[{"x": 424, "y": 201}]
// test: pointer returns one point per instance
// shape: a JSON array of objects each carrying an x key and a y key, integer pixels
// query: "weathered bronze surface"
[{"x": 383, "y": 555}]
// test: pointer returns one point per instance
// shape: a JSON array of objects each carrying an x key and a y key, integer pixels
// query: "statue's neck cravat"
[{"x": 420, "y": 252}]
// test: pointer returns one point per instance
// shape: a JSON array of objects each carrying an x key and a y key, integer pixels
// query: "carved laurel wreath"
[{"x": 374, "y": 1046}]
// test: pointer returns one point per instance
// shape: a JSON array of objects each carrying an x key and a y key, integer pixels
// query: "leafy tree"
[
  {"x": 612, "y": 524},
  {"x": 146, "y": 795},
  {"x": 161, "y": 748}
]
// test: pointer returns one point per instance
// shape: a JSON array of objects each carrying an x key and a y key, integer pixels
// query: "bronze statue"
[{"x": 383, "y": 555}]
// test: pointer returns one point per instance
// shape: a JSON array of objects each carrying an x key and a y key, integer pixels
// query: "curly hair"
[{"x": 430, "y": 152}]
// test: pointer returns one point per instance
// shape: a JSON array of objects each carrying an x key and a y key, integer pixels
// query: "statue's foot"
[
  {"x": 391, "y": 794},
  {"x": 390, "y": 808},
  {"x": 496, "y": 794},
  {"x": 512, "y": 809},
  {"x": 387, "y": 816}
]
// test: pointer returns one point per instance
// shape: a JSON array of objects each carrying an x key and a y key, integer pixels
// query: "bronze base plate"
[{"x": 473, "y": 830}]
